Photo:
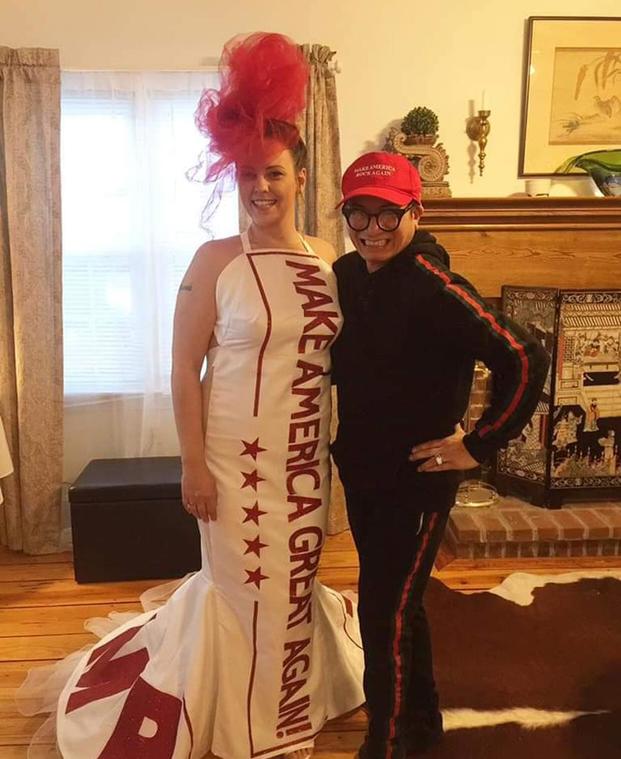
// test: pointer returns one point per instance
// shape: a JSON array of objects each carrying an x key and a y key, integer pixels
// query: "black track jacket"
[{"x": 403, "y": 363}]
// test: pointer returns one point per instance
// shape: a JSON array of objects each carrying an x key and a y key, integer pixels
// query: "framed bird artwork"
[{"x": 571, "y": 107}]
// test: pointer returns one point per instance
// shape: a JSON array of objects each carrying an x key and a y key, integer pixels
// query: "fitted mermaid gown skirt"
[{"x": 251, "y": 655}]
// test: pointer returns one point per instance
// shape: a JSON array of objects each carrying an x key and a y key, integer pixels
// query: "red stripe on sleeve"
[{"x": 504, "y": 333}]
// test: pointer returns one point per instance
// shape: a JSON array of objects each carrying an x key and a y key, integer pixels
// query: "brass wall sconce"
[{"x": 477, "y": 128}]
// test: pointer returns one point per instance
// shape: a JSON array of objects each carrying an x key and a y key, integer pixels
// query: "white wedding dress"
[{"x": 250, "y": 656}]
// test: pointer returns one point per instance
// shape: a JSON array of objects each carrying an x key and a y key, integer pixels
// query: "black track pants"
[{"x": 397, "y": 536}]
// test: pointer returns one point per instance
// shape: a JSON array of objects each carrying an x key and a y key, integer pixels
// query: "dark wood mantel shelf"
[
  {"x": 523, "y": 211},
  {"x": 563, "y": 242}
]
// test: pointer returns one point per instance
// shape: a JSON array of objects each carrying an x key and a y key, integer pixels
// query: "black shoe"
[{"x": 423, "y": 730}]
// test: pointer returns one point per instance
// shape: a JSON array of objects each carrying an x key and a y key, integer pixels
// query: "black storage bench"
[{"x": 129, "y": 523}]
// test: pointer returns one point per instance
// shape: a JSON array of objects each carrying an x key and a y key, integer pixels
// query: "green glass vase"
[{"x": 603, "y": 166}]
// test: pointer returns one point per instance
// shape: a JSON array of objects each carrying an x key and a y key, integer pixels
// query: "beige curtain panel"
[
  {"x": 31, "y": 372},
  {"x": 319, "y": 128},
  {"x": 316, "y": 209}
]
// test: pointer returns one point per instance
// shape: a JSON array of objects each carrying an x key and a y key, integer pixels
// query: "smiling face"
[
  {"x": 374, "y": 245},
  {"x": 268, "y": 188}
]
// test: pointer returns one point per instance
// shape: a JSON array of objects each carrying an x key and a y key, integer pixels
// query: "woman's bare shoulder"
[
  {"x": 212, "y": 256},
  {"x": 226, "y": 246},
  {"x": 322, "y": 248}
]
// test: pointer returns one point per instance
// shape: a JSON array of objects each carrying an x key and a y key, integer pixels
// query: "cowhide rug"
[{"x": 530, "y": 669}]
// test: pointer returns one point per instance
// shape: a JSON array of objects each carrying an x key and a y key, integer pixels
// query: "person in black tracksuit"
[{"x": 403, "y": 366}]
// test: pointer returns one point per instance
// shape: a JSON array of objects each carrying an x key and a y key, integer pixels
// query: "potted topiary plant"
[{"x": 421, "y": 126}]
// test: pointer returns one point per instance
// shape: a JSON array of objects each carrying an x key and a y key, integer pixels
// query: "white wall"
[{"x": 392, "y": 55}]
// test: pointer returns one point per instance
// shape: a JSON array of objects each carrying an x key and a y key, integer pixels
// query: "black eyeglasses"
[{"x": 388, "y": 219}]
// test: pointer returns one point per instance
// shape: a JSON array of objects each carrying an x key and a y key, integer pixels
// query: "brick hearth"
[{"x": 515, "y": 529}]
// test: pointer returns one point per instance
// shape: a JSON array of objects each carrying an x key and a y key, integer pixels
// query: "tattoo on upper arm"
[{"x": 187, "y": 288}]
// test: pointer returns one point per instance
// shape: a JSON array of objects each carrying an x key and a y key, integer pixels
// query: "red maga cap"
[{"x": 382, "y": 175}]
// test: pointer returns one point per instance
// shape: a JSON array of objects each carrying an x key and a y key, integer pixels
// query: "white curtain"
[{"x": 130, "y": 228}]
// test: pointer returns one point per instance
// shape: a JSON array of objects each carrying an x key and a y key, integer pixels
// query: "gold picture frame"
[{"x": 572, "y": 90}]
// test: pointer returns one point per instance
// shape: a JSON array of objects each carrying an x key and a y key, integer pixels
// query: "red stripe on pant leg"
[{"x": 396, "y": 646}]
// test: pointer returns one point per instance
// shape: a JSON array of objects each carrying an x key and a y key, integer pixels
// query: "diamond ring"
[{"x": 439, "y": 460}]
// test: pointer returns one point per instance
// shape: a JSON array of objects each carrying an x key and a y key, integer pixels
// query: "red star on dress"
[
  {"x": 252, "y": 479},
  {"x": 254, "y": 546},
  {"x": 252, "y": 449},
  {"x": 253, "y": 513},
  {"x": 255, "y": 577}
]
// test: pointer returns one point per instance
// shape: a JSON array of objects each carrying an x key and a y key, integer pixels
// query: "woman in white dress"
[{"x": 251, "y": 655}]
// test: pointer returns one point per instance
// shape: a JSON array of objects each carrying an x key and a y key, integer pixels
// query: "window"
[{"x": 131, "y": 223}]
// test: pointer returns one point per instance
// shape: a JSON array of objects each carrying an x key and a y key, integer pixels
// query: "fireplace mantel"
[{"x": 563, "y": 242}]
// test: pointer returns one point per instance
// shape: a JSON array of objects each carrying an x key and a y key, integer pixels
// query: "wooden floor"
[{"x": 42, "y": 611}]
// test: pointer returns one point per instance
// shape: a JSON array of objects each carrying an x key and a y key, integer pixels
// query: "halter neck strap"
[{"x": 247, "y": 247}]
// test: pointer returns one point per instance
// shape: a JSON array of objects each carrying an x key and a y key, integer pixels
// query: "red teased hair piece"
[{"x": 264, "y": 79}]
